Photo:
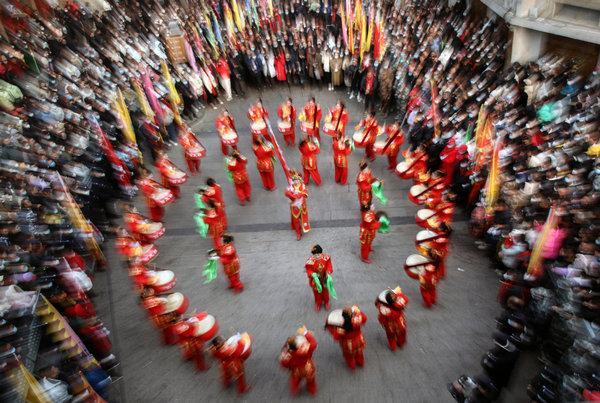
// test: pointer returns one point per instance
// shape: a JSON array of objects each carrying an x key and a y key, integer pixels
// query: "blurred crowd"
[{"x": 67, "y": 156}]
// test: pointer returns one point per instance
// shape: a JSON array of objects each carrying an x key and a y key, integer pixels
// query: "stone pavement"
[{"x": 443, "y": 343}]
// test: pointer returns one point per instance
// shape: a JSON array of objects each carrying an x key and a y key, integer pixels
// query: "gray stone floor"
[{"x": 443, "y": 343}]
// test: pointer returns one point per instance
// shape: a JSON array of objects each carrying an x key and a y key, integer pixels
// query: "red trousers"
[
  {"x": 241, "y": 382},
  {"x": 321, "y": 297},
  {"x": 235, "y": 283},
  {"x": 297, "y": 225},
  {"x": 353, "y": 360},
  {"x": 289, "y": 139},
  {"x": 341, "y": 174},
  {"x": 174, "y": 189},
  {"x": 365, "y": 250},
  {"x": 243, "y": 191},
  {"x": 370, "y": 152},
  {"x": 199, "y": 361},
  {"x": 157, "y": 213},
  {"x": 315, "y": 175},
  {"x": 429, "y": 296},
  {"x": 311, "y": 385},
  {"x": 394, "y": 337},
  {"x": 193, "y": 165},
  {"x": 392, "y": 161},
  {"x": 268, "y": 179}
]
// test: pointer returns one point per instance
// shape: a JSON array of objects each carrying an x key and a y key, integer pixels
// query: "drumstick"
[
  {"x": 390, "y": 140},
  {"x": 368, "y": 130},
  {"x": 338, "y": 120},
  {"x": 314, "y": 120}
]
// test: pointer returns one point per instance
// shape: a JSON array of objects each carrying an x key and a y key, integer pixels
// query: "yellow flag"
[
  {"x": 363, "y": 36},
  {"x": 142, "y": 100},
  {"x": 173, "y": 95}
]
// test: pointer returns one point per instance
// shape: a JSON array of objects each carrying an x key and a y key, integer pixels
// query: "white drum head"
[{"x": 425, "y": 214}]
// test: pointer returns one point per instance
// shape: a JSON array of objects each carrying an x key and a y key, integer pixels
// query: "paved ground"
[{"x": 443, "y": 343}]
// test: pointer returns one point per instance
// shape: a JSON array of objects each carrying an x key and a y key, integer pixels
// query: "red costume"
[
  {"x": 150, "y": 188},
  {"x": 216, "y": 227},
  {"x": 231, "y": 267},
  {"x": 312, "y": 116},
  {"x": 237, "y": 167},
  {"x": 193, "y": 348},
  {"x": 287, "y": 113},
  {"x": 428, "y": 281},
  {"x": 335, "y": 115},
  {"x": 231, "y": 357},
  {"x": 341, "y": 150},
  {"x": 370, "y": 132},
  {"x": 391, "y": 317},
  {"x": 258, "y": 115},
  {"x": 309, "y": 162},
  {"x": 368, "y": 227},
  {"x": 297, "y": 193},
  {"x": 300, "y": 364},
  {"x": 215, "y": 194},
  {"x": 352, "y": 341},
  {"x": 364, "y": 181},
  {"x": 321, "y": 266},
  {"x": 394, "y": 148},
  {"x": 171, "y": 175},
  {"x": 450, "y": 156},
  {"x": 226, "y": 127},
  {"x": 264, "y": 163},
  {"x": 193, "y": 151}
]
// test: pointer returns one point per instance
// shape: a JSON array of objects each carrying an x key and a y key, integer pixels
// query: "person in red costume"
[
  {"x": 311, "y": 115},
  {"x": 364, "y": 181},
  {"x": 257, "y": 115},
  {"x": 369, "y": 134},
  {"x": 214, "y": 220},
  {"x": 341, "y": 150},
  {"x": 193, "y": 348},
  {"x": 391, "y": 316},
  {"x": 393, "y": 132},
  {"x": 287, "y": 113},
  {"x": 350, "y": 337},
  {"x": 450, "y": 156},
  {"x": 318, "y": 268},
  {"x": 150, "y": 188},
  {"x": 231, "y": 358},
  {"x": 428, "y": 282},
  {"x": 338, "y": 117},
  {"x": 237, "y": 167},
  {"x": 368, "y": 228},
  {"x": 297, "y": 193},
  {"x": 226, "y": 127},
  {"x": 309, "y": 147},
  {"x": 193, "y": 150},
  {"x": 264, "y": 163},
  {"x": 231, "y": 263},
  {"x": 214, "y": 192},
  {"x": 296, "y": 355},
  {"x": 171, "y": 175}
]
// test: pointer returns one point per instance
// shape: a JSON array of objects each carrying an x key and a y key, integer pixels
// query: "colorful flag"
[
  {"x": 370, "y": 34},
  {"x": 236, "y": 15},
  {"x": 150, "y": 93},
  {"x": 350, "y": 27},
  {"x": 173, "y": 95},
  {"x": 126, "y": 126},
  {"x": 493, "y": 180},
  {"x": 363, "y": 36},
  {"x": 141, "y": 97},
  {"x": 344, "y": 30},
  {"x": 536, "y": 260}
]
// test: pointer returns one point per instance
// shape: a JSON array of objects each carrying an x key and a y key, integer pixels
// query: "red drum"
[
  {"x": 423, "y": 217},
  {"x": 379, "y": 146},
  {"x": 258, "y": 128},
  {"x": 203, "y": 326},
  {"x": 414, "y": 264},
  {"x": 176, "y": 303},
  {"x": 151, "y": 231},
  {"x": 418, "y": 194},
  {"x": 427, "y": 239},
  {"x": 246, "y": 340},
  {"x": 284, "y": 127},
  {"x": 162, "y": 197},
  {"x": 308, "y": 128},
  {"x": 176, "y": 176},
  {"x": 229, "y": 138},
  {"x": 159, "y": 281},
  {"x": 358, "y": 139},
  {"x": 404, "y": 171},
  {"x": 149, "y": 252},
  {"x": 195, "y": 152},
  {"x": 329, "y": 128},
  {"x": 334, "y": 319}
]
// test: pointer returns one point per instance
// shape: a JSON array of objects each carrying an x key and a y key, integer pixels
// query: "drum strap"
[
  {"x": 391, "y": 140},
  {"x": 429, "y": 188},
  {"x": 419, "y": 158},
  {"x": 368, "y": 130}
]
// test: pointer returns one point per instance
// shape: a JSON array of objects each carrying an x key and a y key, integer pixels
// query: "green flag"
[
  {"x": 315, "y": 277},
  {"x": 210, "y": 269},
  {"x": 377, "y": 188},
  {"x": 329, "y": 286},
  {"x": 384, "y": 228}
]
